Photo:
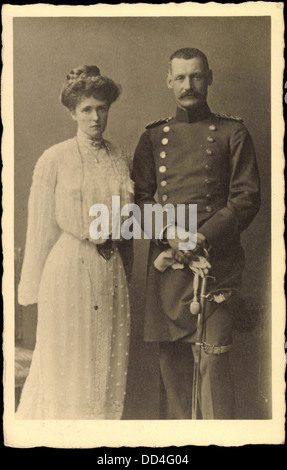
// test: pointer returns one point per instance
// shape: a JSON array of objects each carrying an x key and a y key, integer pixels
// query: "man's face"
[{"x": 189, "y": 79}]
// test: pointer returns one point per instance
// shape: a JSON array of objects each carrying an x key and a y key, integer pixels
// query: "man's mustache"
[{"x": 190, "y": 93}]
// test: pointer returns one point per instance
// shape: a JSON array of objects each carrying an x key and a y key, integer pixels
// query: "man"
[{"x": 196, "y": 157}]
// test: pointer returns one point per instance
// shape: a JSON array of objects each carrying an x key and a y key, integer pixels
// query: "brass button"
[
  {"x": 164, "y": 141},
  {"x": 209, "y": 152},
  {"x": 207, "y": 181},
  {"x": 210, "y": 139},
  {"x": 208, "y": 209},
  {"x": 164, "y": 197},
  {"x": 212, "y": 127},
  {"x": 207, "y": 167},
  {"x": 163, "y": 183},
  {"x": 162, "y": 169},
  {"x": 162, "y": 154},
  {"x": 208, "y": 196},
  {"x": 166, "y": 129}
]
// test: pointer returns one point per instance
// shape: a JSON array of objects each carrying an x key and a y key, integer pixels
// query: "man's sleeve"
[
  {"x": 243, "y": 200},
  {"x": 143, "y": 172}
]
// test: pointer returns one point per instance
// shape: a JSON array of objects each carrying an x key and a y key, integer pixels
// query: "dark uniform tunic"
[{"x": 209, "y": 160}]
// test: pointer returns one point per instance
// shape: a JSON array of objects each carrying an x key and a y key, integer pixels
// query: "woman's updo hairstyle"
[{"x": 86, "y": 81}]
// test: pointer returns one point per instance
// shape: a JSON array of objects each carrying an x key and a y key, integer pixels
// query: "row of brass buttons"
[
  {"x": 210, "y": 139},
  {"x": 162, "y": 168}
]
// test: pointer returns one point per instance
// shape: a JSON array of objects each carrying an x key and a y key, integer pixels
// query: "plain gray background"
[{"x": 134, "y": 52}]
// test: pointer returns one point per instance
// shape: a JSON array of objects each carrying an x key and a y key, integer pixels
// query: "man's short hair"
[{"x": 189, "y": 53}]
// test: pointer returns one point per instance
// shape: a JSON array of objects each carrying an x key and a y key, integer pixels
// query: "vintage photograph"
[{"x": 143, "y": 172}]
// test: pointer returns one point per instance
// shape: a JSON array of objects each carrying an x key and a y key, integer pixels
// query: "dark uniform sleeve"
[
  {"x": 243, "y": 200},
  {"x": 143, "y": 172}
]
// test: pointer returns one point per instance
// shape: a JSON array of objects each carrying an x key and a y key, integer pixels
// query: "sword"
[{"x": 198, "y": 308}]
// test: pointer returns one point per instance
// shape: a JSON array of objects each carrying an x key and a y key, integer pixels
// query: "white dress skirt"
[{"x": 80, "y": 361}]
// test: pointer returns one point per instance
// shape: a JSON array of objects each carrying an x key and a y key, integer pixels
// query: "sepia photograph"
[{"x": 143, "y": 225}]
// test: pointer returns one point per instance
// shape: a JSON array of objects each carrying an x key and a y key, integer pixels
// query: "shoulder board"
[
  {"x": 228, "y": 116},
  {"x": 152, "y": 124}
]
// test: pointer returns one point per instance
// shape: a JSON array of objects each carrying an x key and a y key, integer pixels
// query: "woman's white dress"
[{"x": 79, "y": 364}]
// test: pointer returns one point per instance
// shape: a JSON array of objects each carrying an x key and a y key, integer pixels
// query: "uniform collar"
[{"x": 193, "y": 115}]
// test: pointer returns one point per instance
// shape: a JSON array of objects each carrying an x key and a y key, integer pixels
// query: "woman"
[{"x": 79, "y": 365}]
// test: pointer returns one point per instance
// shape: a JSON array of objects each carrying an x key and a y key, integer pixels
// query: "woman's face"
[{"x": 91, "y": 115}]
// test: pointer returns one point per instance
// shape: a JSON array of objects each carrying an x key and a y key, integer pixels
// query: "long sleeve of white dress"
[{"x": 42, "y": 229}]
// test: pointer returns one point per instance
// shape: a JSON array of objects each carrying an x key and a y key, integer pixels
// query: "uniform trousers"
[{"x": 216, "y": 391}]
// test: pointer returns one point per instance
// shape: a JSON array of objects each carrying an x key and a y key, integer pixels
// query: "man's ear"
[
  {"x": 169, "y": 81},
  {"x": 209, "y": 77}
]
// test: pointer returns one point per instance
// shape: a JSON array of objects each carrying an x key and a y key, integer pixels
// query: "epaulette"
[
  {"x": 228, "y": 116},
  {"x": 158, "y": 122}
]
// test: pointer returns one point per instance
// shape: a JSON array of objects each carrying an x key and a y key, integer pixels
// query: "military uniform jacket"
[{"x": 209, "y": 160}]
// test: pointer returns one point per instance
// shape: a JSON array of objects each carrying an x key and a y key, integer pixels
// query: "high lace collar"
[{"x": 87, "y": 141}]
